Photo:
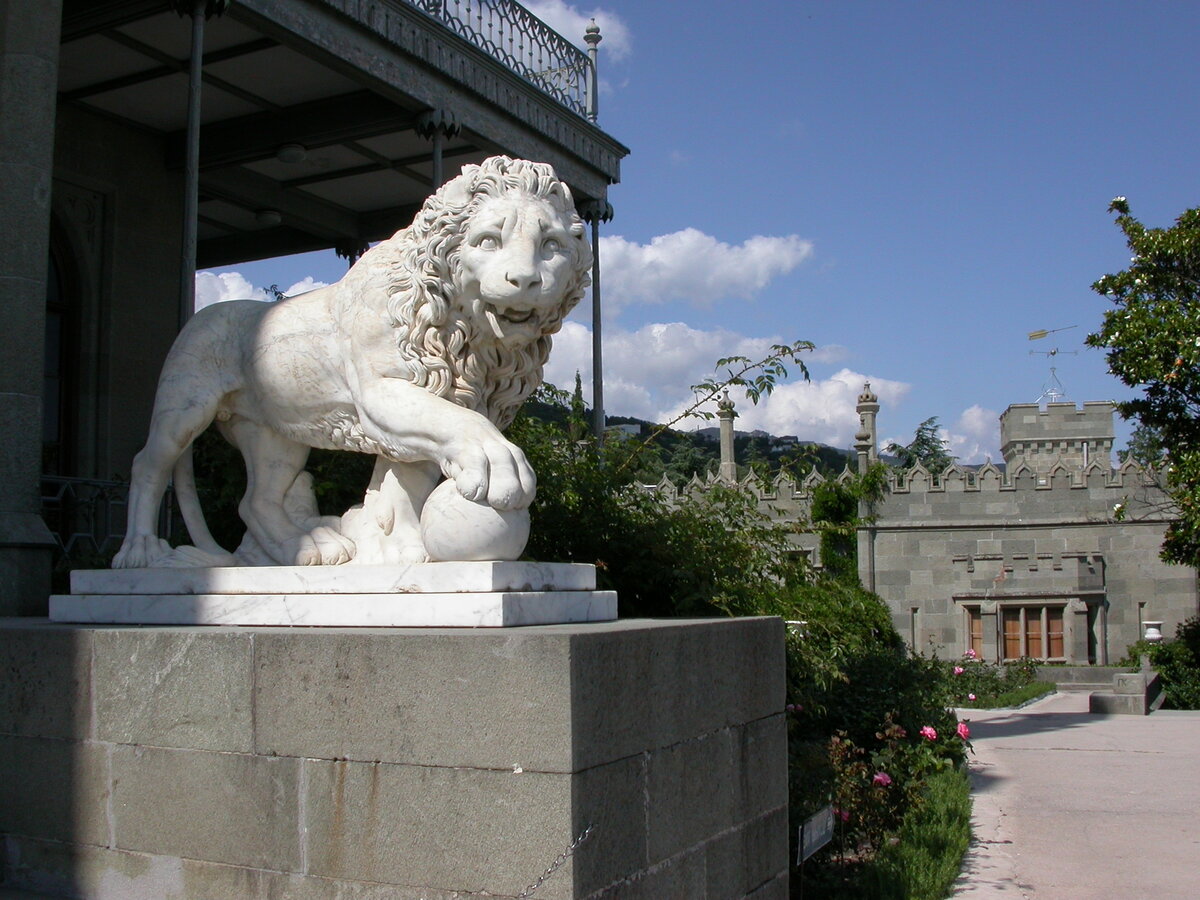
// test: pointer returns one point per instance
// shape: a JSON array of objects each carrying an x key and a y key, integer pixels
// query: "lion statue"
[{"x": 420, "y": 355}]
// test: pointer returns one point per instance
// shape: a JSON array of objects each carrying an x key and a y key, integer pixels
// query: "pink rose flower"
[
  {"x": 841, "y": 814},
  {"x": 929, "y": 733},
  {"x": 958, "y": 670},
  {"x": 882, "y": 778},
  {"x": 970, "y": 696},
  {"x": 970, "y": 654},
  {"x": 963, "y": 731}
]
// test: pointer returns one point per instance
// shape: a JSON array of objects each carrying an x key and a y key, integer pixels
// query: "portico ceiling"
[{"x": 302, "y": 146}]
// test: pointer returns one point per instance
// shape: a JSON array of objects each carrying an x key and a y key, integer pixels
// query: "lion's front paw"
[
  {"x": 323, "y": 546},
  {"x": 494, "y": 471},
  {"x": 141, "y": 552}
]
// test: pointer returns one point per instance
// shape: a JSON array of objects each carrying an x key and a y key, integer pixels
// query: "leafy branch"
[{"x": 757, "y": 378}]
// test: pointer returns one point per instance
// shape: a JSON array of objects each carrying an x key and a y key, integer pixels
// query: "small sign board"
[{"x": 815, "y": 832}]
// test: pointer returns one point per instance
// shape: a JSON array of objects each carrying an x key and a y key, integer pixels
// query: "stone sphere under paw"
[{"x": 454, "y": 528}]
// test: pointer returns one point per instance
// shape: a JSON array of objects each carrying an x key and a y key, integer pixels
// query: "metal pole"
[
  {"x": 191, "y": 170},
  {"x": 597, "y": 351},
  {"x": 438, "y": 178}
]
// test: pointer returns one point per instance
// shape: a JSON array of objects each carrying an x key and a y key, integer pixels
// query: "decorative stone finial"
[{"x": 591, "y": 34}]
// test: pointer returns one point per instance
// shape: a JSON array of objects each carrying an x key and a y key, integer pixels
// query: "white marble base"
[
  {"x": 461, "y": 594},
  {"x": 442, "y": 577},
  {"x": 484, "y": 610}
]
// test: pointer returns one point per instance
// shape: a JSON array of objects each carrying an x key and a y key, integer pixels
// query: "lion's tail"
[{"x": 189, "y": 504}]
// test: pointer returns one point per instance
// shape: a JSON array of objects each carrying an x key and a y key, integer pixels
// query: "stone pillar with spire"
[
  {"x": 726, "y": 414},
  {"x": 866, "y": 440}
]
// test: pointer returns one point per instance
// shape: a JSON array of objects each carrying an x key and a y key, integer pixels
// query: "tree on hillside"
[
  {"x": 1152, "y": 336},
  {"x": 927, "y": 448}
]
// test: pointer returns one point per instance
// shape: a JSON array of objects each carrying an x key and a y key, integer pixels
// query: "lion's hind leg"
[
  {"x": 275, "y": 515},
  {"x": 173, "y": 427}
]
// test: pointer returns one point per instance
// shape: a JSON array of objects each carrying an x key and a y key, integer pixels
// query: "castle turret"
[
  {"x": 865, "y": 441},
  {"x": 1041, "y": 436},
  {"x": 726, "y": 413}
]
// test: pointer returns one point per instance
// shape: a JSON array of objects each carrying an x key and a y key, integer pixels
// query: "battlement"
[
  {"x": 1057, "y": 433},
  {"x": 959, "y": 493}
]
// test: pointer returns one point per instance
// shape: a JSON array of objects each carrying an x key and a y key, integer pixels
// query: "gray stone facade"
[
  {"x": 1049, "y": 557},
  {"x": 1053, "y": 557},
  {"x": 325, "y": 764}
]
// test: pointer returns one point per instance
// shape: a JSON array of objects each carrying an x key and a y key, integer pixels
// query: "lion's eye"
[
  {"x": 551, "y": 246},
  {"x": 488, "y": 242}
]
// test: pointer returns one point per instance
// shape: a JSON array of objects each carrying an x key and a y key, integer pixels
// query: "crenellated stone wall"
[{"x": 1048, "y": 536}]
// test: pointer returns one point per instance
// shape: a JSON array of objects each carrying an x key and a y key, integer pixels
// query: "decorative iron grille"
[
  {"x": 87, "y": 516},
  {"x": 516, "y": 37}
]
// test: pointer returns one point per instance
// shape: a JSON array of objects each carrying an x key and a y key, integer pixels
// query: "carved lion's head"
[{"x": 481, "y": 280}]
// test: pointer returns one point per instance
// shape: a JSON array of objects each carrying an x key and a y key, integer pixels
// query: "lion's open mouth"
[{"x": 497, "y": 318}]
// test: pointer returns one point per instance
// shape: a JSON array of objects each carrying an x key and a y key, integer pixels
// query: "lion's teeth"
[{"x": 494, "y": 322}]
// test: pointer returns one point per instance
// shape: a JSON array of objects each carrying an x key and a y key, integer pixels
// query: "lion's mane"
[{"x": 437, "y": 337}]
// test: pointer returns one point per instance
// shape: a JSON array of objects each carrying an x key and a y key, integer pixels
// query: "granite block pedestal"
[{"x": 142, "y": 763}]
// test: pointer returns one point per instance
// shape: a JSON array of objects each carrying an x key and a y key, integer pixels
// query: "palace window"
[{"x": 1032, "y": 631}]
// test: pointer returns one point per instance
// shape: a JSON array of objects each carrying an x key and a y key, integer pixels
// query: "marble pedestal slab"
[{"x": 464, "y": 594}]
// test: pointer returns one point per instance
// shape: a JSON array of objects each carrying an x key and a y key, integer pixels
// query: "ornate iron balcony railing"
[
  {"x": 508, "y": 32},
  {"x": 87, "y": 516}
]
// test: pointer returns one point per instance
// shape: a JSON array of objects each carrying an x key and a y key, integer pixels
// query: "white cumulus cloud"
[
  {"x": 648, "y": 374},
  {"x": 975, "y": 437},
  {"x": 217, "y": 287},
  {"x": 304, "y": 285},
  {"x": 694, "y": 266}
]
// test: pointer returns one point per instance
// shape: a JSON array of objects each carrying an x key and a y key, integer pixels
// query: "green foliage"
[
  {"x": 1152, "y": 339},
  {"x": 835, "y": 517},
  {"x": 927, "y": 448},
  {"x": 975, "y": 684},
  {"x": 1177, "y": 662},
  {"x": 926, "y": 855},
  {"x": 716, "y": 553}
]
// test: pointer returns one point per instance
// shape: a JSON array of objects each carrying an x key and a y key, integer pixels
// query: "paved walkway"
[{"x": 1071, "y": 806}]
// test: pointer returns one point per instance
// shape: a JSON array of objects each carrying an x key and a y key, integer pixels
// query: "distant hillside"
[{"x": 680, "y": 454}]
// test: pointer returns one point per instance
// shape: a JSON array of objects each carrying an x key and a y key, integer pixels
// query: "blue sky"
[{"x": 912, "y": 186}]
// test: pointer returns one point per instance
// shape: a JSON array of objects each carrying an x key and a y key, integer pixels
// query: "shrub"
[
  {"x": 1177, "y": 662},
  {"x": 926, "y": 855},
  {"x": 976, "y": 684}
]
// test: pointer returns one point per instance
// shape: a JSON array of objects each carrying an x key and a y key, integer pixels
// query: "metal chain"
[{"x": 557, "y": 864}]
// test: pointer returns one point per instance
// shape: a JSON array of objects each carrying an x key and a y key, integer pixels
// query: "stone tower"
[
  {"x": 865, "y": 440},
  {"x": 726, "y": 413},
  {"x": 1042, "y": 436}
]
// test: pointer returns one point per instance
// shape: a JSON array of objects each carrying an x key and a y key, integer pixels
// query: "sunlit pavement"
[{"x": 1072, "y": 806}]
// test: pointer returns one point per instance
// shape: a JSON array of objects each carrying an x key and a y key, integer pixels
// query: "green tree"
[
  {"x": 927, "y": 448},
  {"x": 1152, "y": 336}
]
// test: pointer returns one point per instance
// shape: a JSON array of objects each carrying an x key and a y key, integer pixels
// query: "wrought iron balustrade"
[
  {"x": 508, "y": 32},
  {"x": 87, "y": 515}
]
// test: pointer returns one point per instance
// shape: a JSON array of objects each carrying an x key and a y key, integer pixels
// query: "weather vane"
[{"x": 1053, "y": 390}]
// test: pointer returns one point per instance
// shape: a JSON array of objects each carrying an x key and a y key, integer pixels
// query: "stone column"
[
  {"x": 29, "y": 34},
  {"x": 726, "y": 413},
  {"x": 1077, "y": 627}
]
